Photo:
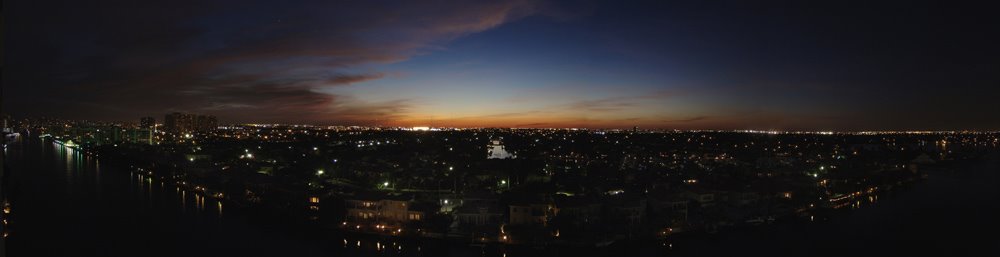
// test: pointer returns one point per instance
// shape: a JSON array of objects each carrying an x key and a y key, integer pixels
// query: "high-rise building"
[
  {"x": 169, "y": 122},
  {"x": 186, "y": 123},
  {"x": 178, "y": 123},
  {"x": 147, "y": 122},
  {"x": 206, "y": 123},
  {"x": 148, "y": 125}
]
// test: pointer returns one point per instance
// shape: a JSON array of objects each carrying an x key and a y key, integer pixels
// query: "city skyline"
[
  {"x": 798, "y": 66},
  {"x": 499, "y": 128}
]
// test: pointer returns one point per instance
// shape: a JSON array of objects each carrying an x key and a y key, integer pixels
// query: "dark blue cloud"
[{"x": 795, "y": 64}]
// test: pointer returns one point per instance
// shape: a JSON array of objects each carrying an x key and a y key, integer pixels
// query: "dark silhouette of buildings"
[
  {"x": 147, "y": 122},
  {"x": 186, "y": 123}
]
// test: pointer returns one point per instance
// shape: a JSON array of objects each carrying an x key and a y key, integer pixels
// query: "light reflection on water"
[
  {"x": 152, "y": 193},
  {"x": 141, "y": 201},
  {"x": 135, "y": 197},
  {"x": 79, "y": 166},
  {"x": 69, "y": 204}
]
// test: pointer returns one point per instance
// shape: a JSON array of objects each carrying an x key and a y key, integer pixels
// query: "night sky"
[{"x": 836, "y": 65}]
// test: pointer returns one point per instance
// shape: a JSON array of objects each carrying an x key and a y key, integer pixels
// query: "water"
[
  {"x": 66, "y": 203},
  {"x": 69, "y": 204},
  {"x": 955, "y": 212}
]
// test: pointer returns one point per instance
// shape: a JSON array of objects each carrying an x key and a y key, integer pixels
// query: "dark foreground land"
[{"x": 69, "y": 204}]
